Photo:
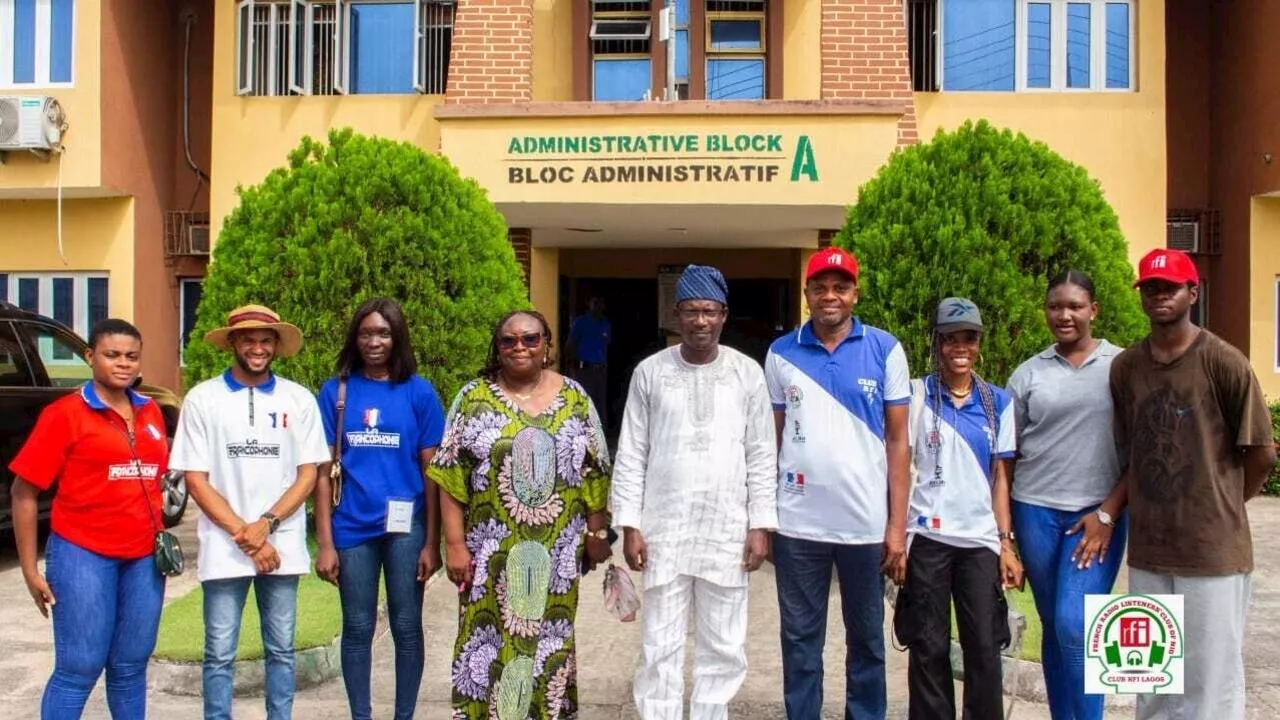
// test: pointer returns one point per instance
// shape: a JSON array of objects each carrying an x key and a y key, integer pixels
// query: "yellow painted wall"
[
  {"x": 802, "y": 53},
  {"x": 82, "y": 162},
  {"x": 544, "y": 285},
  {"x": 97, "y": 235},
  {"x": 553, "y": 49},
  {"x": 253, "y": 135},
  {"x": 1264, "y": 271},
  {"x": 1118, "y": 137}
]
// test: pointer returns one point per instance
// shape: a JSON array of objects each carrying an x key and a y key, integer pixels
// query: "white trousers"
[
  {"x": 720, "y": 649},
  {"x": 1213, "y": 610}
]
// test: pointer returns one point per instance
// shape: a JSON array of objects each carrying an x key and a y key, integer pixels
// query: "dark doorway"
[{"x": 760, "y": 309}]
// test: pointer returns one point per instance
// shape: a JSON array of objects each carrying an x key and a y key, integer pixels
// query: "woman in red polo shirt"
[{"x": 105, "y": 447}]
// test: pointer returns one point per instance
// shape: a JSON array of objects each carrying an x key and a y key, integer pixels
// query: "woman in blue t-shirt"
[{"x": 382, "y": 514}]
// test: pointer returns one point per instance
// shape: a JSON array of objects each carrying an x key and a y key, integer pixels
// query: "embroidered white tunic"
[{"x": 696, "y": 464}]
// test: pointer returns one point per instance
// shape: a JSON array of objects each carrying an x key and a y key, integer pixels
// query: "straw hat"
[{"x": 257, "y": 317}]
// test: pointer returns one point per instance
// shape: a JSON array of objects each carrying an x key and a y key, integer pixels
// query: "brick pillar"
[
  {"x": 864, "y": 56},
  {"x": 491, "y": 60},
  {"x": 522, "y": 242}
]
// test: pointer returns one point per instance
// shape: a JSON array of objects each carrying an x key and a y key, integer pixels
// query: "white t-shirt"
[
  {"x": 952, "y": 451},
  {"x": 251, "y": 441},
  {"x": 833, "y": 471}
]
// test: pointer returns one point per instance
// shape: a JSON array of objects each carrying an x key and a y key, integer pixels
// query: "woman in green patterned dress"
[{"x": 524, "y": 471}]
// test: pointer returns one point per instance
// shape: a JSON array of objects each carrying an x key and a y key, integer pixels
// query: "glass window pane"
[
  {"x": 735, "y": 79},
  {"x": 1118, "y": 45},
  {"x": 682, "y": 12},
  {"x": 29, "y": 294},
  {"x": 63, "y": 357},
  {"x": 4, "y": 287},
  {"x": 64, "y": 303},
  {"x": 60, "y": 40},
  {"x": 735, "y": 35},
  {"x": 621, "y": 80},
  {"x": 382, "y": 48},
  {"x": 245, "y": 80},
  {"x": 1039, "y": 32},
  {"x": 1078, "y": 44},
  {"x": 14, "y": 371},
  {"x": 978, "y": 45},
  {"x": 682, "y": 55},
  {"x": 97, "y": 300},
  {"x": 24, "y": 41}
]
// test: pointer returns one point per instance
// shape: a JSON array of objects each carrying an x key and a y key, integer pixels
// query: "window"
[
  {"x": 77, "y": 300},
  {"x": 36, "y": 41},
  {"x": 1006, "y": 45},
  {"x": 332, "y": 47},
  {"x": 192, "y": 290},
  {"x": 720, "y": 49},
  {"x": 14, "y": 370},
  {"x": 62, "y": 356}
]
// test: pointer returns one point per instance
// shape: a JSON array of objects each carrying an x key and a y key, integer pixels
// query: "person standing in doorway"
[
  {"x": 250, "y": 443},
  {"x": 695, "y": 492},
  {"x": 587, "y": 352},
  {"x": 840, "y": 392},
  {"x": 1194, "y": 432},
  {"x": 381, "y": 518}
]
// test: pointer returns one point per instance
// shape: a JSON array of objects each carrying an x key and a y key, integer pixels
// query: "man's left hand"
[
  {"x": 894, "y": 563},
  {"x": 252, "y": 536},
  {"x": 756, "y": 549}
]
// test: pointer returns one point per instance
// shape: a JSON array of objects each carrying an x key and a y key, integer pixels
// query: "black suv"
[{"x": 40, "y": 361}]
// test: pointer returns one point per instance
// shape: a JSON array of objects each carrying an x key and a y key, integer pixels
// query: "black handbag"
[{"x": 170, "y": 561}]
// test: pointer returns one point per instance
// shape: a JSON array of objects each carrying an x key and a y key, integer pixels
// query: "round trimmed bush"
[
  {"x": 358, "y": 218},
  {"x": 992, "y": 216}
]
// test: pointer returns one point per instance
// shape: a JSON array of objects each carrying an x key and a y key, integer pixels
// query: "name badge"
[{"x": 399, "y": 516}]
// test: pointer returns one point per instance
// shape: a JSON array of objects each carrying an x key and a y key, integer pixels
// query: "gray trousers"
[{"x": 1213, "y": 610}]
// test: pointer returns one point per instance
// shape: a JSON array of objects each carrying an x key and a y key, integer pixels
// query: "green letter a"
[{"x": 803, "y": 162}]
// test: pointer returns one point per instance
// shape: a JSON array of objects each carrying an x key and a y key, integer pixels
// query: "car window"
[
  {"x": 14, "y": 371},
  {"x": 62, "y": 355}
]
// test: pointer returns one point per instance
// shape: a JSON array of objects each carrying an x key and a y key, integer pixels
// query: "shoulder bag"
[
  {"x": 168, "y": 551},
  {"x": 335, "y": 465}
]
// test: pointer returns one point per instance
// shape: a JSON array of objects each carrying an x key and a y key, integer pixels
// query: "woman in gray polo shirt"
[{"x": 1068, "y": 503}]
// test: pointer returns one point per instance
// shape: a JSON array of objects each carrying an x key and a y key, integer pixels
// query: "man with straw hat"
[{"x": 250, "y": 443}]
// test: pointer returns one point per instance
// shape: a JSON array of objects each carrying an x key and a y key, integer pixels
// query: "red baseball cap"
[
  {"x": 832, "y": 258},
  {"x": 1174, "y": 266}
]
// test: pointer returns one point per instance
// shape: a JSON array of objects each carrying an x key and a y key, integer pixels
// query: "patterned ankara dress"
[{"x": 528, "y": 484}]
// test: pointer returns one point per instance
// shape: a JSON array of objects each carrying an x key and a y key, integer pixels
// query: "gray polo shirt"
[{"x": 1066, "y": 451}]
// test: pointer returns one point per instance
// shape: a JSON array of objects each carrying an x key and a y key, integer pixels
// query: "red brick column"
[
  {"x": 522, "y": 242},
  {"x": 864, "y": 56},
  {"x": 491, "y": 60}
]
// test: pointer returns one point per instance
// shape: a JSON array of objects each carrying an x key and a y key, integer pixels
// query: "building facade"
[{"x": 106, "y": 226}]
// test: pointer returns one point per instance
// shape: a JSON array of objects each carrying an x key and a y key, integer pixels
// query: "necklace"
[
  {"x": 960, "y": 394},
  {"x": 525, "y": 397}
]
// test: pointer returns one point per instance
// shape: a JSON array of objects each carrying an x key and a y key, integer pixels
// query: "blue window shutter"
[
  {"x": 621, "y": 80},
  {"x": 382, "y": 48},
  {"x": 61, "y": 40},
  {"x": 24, "y": 41}
]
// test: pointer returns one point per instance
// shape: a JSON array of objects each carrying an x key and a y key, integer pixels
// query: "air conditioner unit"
[
  {"x": 1183, "y": 235},
  {"x": 198, "y": 239},
  {"x": 31, "y": 122}
]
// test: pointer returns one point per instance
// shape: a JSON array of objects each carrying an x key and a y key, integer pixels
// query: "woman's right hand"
[
  {"x": 40, "y": 592},
  {"x": 457, "y": 561},
  {"x": 327, "y": 564}
]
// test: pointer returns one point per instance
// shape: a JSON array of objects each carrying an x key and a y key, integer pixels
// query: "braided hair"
[
  {"x": 492, "y": 365},
  {"x": 985, "y": 395}
]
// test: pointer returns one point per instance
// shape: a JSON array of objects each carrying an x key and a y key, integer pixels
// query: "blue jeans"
[
  {"x": 396, "y": 554},
  {"x": 803, "y": 569},
  {"x": 106, "y": 616},
  {"x": 1059, "y": 589},
  {"x": 223, "y": 608}
]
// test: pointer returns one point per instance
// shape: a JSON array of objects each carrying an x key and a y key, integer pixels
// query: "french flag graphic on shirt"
[{"x": 371, "y": 418}]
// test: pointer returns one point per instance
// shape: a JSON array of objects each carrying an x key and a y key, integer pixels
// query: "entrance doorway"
[{"x": 760, "y": 309}]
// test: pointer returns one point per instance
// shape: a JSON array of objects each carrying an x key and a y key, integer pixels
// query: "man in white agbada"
[{"x": 695, "y": 492}]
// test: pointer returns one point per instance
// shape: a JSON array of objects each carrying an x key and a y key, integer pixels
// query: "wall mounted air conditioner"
[
  {"x": 198, "y": 239},
  {"x": 31, "y": 122},
  {"x": 1183, "y": 235}
]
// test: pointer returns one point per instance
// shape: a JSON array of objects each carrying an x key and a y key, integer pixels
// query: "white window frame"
[
  {"x": 43, "y": 46},
  {"x": 1058, "y": 46},
  {"x": 79, "y": 311},
  {"x": 301, "y": 84},
  {"x": 246, "y": 74}
]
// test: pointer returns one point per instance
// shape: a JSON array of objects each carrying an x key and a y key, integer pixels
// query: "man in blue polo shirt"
[
  {"x": 840, "y": 393},
  {"x": 587, "y": 355}
]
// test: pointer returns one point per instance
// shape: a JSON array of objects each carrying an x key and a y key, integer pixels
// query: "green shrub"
[
  {"x": 1273, "y": 481},
  {"x": 992, "y": 216},
  {"x": 357, "y": 218}
]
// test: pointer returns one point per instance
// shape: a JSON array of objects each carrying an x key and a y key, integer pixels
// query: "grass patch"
[
  {"x": 181, "y": 636},
  {"x": 1023, "y": 602}
]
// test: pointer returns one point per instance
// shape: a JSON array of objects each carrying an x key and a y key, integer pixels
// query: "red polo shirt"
[{"x": 102, "y": 498}]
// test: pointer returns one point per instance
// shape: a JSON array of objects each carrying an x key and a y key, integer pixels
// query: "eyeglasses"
[
  {"x": 693, "y": 314},
  {"x": 367, "y": 335},
  {"x": 532, "y": 341}
]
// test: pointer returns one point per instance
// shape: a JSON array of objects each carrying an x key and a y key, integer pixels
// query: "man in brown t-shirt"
[{"x": 1195, "y": 434}]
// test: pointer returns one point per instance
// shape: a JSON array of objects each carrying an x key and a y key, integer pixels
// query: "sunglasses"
[{"x": 532, "y": 341}]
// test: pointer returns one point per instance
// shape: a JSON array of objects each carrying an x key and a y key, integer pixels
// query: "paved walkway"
[{"x": 608, "y": 651}]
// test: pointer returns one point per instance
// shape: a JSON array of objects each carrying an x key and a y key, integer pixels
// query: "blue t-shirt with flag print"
[{"x": 386, "y": 426}]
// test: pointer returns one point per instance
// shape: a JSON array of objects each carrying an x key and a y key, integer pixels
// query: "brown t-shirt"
[{"x": 1181, "y": 427}]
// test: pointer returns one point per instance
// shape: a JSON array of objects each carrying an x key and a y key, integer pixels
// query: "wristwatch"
[
  {"x": 601, "y": 534},
  {"x": 273, "y": 522},
  {"x": 1105, "y": 518},
  {"x": 1006, "y": 536}
]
